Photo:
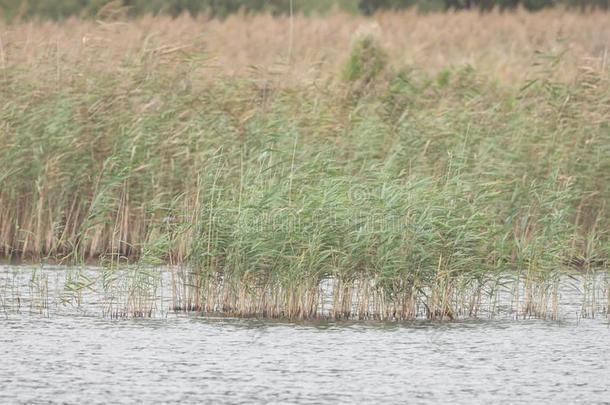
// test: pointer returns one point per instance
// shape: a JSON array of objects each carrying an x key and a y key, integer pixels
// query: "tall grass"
[{"x": 385, "y": 192}]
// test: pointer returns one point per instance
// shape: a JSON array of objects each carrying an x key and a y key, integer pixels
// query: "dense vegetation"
[
  {"x": 59, "y": 9},
  {"x": 399, "y": 185}
]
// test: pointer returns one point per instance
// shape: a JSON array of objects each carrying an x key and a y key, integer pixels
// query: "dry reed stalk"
[{"x": 3, "y": 61}]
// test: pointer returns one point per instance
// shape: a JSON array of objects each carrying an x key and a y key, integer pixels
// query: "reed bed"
[
  {"x": 304, "y": 49},
  {"x": 299, "y": 180},
  {"x": 132, "y": 291}
]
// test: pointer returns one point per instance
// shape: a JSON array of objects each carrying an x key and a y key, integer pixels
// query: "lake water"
[{"x": 76, "y": 357}]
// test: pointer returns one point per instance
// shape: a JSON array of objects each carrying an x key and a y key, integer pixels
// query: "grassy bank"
[{"x": 399, "y": 185}]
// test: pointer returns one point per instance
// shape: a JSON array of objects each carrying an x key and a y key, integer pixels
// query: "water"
[
  {"x": 63, "y": 357},
  {"x": 190, "y": 360}
]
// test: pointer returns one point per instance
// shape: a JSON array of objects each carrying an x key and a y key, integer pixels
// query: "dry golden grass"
[{"x": 503, "y": 45}]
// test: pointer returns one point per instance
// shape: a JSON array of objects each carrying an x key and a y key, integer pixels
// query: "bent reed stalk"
[{"x": 384, "y": 193}]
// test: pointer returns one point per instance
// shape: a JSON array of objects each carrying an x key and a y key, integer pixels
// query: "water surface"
[
  {"x": 67, "y": 357},
  {"x": 190, "y": 360}
]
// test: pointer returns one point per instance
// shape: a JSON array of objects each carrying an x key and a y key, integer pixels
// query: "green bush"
[{"x": 366, "y": 61}]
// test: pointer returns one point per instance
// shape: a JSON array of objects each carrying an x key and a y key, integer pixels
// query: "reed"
[{"x": 376, "y": 190}]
